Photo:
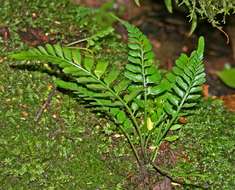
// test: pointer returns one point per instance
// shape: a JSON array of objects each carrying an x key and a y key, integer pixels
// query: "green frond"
[
  {"x": 187, "y": 76},
  {"x": 140, "y": 68},
  {"x": 90, "y": 79}
]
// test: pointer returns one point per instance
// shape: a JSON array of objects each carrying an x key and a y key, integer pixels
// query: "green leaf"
[
  {"x": 134, "y": 77},
  {"x": 133, "y": 68},
  {"x": 185, "y": 81},
  {"x": 134, "y": 46},
  {"x": 168, "y": 4},
  {"x": 193, "y": 97},
  {"x": 100, "y": 68},
  {"x": 169, "y": 108},
  {"x": 91, "y": 41},
  {"x": 201, "y": 47},
  {"x": 67, "y": 85},
  {"x": 182, "y": 61},
  {"x": 121, "y": 117},
  {"x": 76, "y": 56},
  {"x": 127, "y": 124},
  {"x": 74, "y": 71},
  {"x": 132, "y": 95},
  {"x": 179, "y": 91},
  {"x": 67, "y": 53},
  {"x": 96, "y": 86},
  {"x": 175, "y": 127},
  {"x": 228, "y": 77},
  {"x": 87, "y": 80},
  {"x": 162, "y": 87},
  {"x": 199, "y": 82},
  {"x": 194, "y": 24},
  {"x": 173, "y": 99},
  {"x": 172, "y": 138},
  {"x": 88, "y": 63},
  {"x": 43, "y": 50},
  {"x": 50, "y": 49},
  {"x": 112, "y": 75},
  {"x": 121, "y": 86},
  {"x": 182, "y": 84},
  {"x": 189, "y": 105},
  {"x": 58, "y": 50},
  {"x": 134, "y": 60}
]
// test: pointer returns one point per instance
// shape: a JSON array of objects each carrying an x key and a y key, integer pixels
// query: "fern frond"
[
  {"x": 182, "y": 85},
  {"x": 93, "y": 80},
  {"x": 140, "y": 68}
]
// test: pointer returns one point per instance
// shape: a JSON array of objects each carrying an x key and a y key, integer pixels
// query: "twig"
[
  {"x": 223, "y": 32},
  {"x": 45, "y": 104},
  {"x": 77, "y": 41}
]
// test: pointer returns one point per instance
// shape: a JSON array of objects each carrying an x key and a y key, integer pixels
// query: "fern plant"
[{"x": 142, "y": 102}]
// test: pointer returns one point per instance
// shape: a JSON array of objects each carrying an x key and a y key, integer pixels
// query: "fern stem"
[
  {"x": 134, "y": 150},
  {"x": 136, "y": 126},
  {"x": 145, "y": 100}
]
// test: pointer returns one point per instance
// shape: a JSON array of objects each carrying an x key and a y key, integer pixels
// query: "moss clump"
[{"x": 209, "y": 9}]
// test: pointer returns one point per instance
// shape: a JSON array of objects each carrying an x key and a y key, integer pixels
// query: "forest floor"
[{"x": 49, "y": 141}]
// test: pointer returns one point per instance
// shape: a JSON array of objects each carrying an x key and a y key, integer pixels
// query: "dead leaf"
[
  {"x": 185, "y": 49},
  {"x": 4, "y": 33},
  {"x": 24, "y": 114},
  {"x": 34, "y": 36},
  {"x": 183, "y": 120},
  {"x": 229, "y": 102},
  {"x": 205, "y": 90}
]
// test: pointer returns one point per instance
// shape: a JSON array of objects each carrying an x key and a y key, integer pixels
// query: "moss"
[
  {"x": 58, "y": 151},
  {"x": 210, "y": 10},
  {"x": 208, "y": 147}
]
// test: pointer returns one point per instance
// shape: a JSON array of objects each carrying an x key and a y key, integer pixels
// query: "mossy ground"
[
  {"x": 59, "y": 151},
  {"x": 207, "y": 145},
  {"x": 69, "y": 147}
]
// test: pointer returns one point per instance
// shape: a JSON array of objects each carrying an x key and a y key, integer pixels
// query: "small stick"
[{"x": 45, "y": 104}]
